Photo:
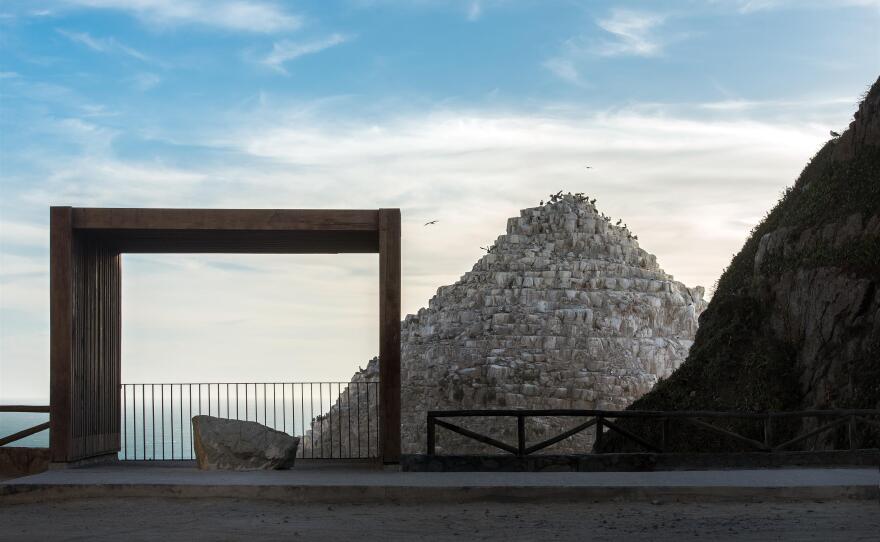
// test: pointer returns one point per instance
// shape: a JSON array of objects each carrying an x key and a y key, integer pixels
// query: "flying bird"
[
  {"x": 589, "y": 167},
  {"x": 834, "y": 134},
  {"x": 431, "y": 222}
]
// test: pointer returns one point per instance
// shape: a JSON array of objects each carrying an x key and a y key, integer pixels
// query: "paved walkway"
[
  {"x": 169, "y": 520},
  {"x": 364, "y": 485}
]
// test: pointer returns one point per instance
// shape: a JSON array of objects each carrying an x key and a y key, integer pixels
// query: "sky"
[{"x": 693, "y": 116}]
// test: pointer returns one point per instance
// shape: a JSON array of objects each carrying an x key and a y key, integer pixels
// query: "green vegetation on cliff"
[{"x": 811, "y": 265}]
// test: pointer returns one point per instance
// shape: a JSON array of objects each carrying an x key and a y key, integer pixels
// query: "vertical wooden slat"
[
  {"x": 389, "y": 333},
  {"x": 61, "y": 333}
]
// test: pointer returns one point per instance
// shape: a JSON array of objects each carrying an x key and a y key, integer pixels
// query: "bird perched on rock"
[
  {"x": 618, "y": 222},
  {"x": 431, "y": 222},
  {"x": 834, "y": 134}
]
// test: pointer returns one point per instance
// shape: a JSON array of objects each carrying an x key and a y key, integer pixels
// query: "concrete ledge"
[
  {"x": 637, "y": 461},
  {"x": 22, "y": 461},
  {"x": 350, "y": 485},
  {"x": 412, "y": 495}
]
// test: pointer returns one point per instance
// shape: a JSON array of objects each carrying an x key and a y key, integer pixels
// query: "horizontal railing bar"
[
  {"x": 24, "y": 408},
  {"x": 814, "y": 432},
  {"x": 478, "y": 437},
  {"x": 25, "y": 433},
  {"x": 632, "y": 436},
  {"x": 869, "y": 422},
  {"x": 720, "y": 431},
  {"x": 649, "y": 413},
  {"x": 560, "y": 437},
  {"x": 244, "y": 383}
]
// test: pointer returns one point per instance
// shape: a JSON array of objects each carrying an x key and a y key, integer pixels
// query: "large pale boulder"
[{"x": 226, "y": 444}]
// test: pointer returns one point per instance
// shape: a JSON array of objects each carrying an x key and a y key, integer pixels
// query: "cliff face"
[
  {"x": 564, "y": 311},
  {"x": 795, "y": 321}
]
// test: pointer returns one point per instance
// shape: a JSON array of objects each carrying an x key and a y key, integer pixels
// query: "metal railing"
[
  {"x": 24, "y": 432},
  {"x": 335, "y": 420},
  {"x": 663, "y": 421}
]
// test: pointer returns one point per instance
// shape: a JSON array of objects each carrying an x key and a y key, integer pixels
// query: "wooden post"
[
  {"x": 389, "y": 333},
  {"x": 664, "y": 435},
  {"x": 597, "y": 445},
  {"x": 521, "y": 435},
  {"x": 432, "y": 427},
  {"x": 61, "y": 331},
  {"x": 851, "y": 432}
]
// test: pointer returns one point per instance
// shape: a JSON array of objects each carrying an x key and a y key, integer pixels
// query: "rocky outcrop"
[
  {"x": 794, "y": 323},
  {"x": 565, "y": 310},
  {"x": 226, "y": 444}
]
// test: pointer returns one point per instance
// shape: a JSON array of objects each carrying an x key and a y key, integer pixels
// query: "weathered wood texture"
[
  {"x": 61, "y": 330},
  {"x": 96, "y": 356},
  {"x": 389, "y": 333},
  {"x": 226, "y": 219},
  {"x": 85, "y": 283}
]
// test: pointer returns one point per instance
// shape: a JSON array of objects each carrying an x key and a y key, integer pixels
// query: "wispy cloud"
[
  {"x": 285, "y": 50},
  {"x": 145, "y": 81},
  {"x": 238, "y": 15},
  {"x": 103, "y": 45},
  {"x": 634, "y": 33},
  {"x": 474, "y": 10},
  {"x": 469, "y": 169},
  {"x": 565, "y": 69},
  {"x": 753, "y": 6}
]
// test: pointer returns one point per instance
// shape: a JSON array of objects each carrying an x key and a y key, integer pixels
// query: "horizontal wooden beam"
[
  {"x": 24, "y": 408},
  {"x": 96, "y": 218},
  {"x": 652, "y": 413},
  {"x": 235, "y": 241}
]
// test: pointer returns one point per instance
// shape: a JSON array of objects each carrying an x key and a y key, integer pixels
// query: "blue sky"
[{"x": 694, "y": 115}]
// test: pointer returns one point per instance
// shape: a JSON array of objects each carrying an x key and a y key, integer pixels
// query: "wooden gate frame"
[{"x": 86, "y": 245}]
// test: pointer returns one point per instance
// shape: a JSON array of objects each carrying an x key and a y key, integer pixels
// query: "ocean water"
[
  {"x": 157, "y": 416},
  {"x": 13, "y": 422}
]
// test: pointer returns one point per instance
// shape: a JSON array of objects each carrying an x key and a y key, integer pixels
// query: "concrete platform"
[{"x": 357, "y": 484}]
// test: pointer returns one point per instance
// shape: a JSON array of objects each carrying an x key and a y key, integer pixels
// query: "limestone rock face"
[
  {"x": 564, "y": 311},
  {"x": 226, "y": 444}
]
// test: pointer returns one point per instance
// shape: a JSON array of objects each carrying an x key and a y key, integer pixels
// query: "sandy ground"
[{"x": 231, "y": 519}]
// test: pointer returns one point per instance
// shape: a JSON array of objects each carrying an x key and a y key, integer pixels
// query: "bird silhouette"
[
  {"x": 431, "y": 222},
  {"x": 541, "y": 203},
  {"x": 834, "y": 134},
  {"x": 589, "y": 167},
  {"x": 618, "y": 222},
  {"x": 593, "y": 201}
]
